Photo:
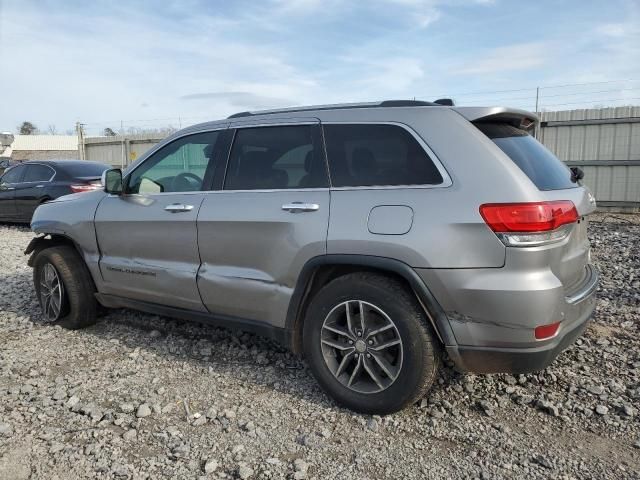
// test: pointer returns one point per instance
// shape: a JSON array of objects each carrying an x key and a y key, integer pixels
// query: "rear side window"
[
  {"x": 38, "y": 173},
  {"x": 276, "y": 158},
  {"x": 369, "y": 155},
  {"x": 541, "y": 166}
]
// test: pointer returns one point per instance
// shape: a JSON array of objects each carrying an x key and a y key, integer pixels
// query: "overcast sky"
[{"x": 148, "y": 63}]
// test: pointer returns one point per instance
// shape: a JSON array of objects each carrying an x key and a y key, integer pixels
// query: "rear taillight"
[
  {"x": 530, "y": 224},
  {"x": 85, "y": 187}
]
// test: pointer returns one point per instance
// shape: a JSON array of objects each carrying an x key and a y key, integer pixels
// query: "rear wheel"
[
  {"x": 369, "y": 343},
  {"x": 64, "y": 288}
]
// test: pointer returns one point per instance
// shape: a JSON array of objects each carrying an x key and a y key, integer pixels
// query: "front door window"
[{"x": 181, "y": 166}]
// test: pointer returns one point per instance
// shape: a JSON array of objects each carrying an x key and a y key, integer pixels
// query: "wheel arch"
[
  {"x": 319, "y": 271},
  {"x": 37, "y": 244}
]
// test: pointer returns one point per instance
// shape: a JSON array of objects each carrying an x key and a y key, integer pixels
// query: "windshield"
[{"x": 541, "y": 166}]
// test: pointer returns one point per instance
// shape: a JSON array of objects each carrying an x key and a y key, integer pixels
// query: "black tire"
[
  {"x": 79, "y": 306},
  {"x": 420, "y": 348}
]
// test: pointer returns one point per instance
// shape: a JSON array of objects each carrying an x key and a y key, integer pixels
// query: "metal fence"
[
  {"x": 118, "y": 151},
  {"x": 604, "y": 142}
]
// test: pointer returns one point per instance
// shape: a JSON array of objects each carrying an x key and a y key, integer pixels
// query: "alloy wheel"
[
  {"x": 51, "y": 293},
  {"x": 361, "y": 346}
]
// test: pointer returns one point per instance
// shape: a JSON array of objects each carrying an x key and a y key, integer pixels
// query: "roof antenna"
[{"x": 447, "y": 102}]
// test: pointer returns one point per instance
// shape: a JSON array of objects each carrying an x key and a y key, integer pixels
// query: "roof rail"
[{"x": 339, "y": 106}]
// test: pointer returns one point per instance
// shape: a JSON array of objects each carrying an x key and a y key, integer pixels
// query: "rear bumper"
[
  {"x": 517, "y": 360},
  {"x": 493, "y": 328}
]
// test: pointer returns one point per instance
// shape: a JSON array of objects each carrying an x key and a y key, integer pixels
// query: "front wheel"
[
  {"x": 369, "y": 344},
  {"x": 64, "y": 288}
]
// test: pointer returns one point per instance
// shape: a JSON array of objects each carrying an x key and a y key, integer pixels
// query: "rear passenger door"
[
  {"x": 30, "y": 192},
  {"x": 8, "y": 182},
  {"x": 271, "y": 217}
]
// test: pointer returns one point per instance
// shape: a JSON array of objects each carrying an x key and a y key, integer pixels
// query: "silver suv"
[{"x": 370, "y": 238}]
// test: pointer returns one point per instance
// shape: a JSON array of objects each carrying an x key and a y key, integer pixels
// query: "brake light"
[
  {"x": 85, "y": 187},
  {"x": 544, "y": 332},
  {"x": 529, "y": 224}
]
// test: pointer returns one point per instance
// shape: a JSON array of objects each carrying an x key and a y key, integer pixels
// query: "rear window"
[
  {"x": 541, "y": 166},
  {"x": 88, "y": 169},
  {"x": 368, "y": 155}
]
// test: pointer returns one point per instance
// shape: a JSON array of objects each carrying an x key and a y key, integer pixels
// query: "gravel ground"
[{"x": 138, "y": 396}]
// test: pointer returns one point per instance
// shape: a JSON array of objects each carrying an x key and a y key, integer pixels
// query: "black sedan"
[{"x": 27, "y": 185}]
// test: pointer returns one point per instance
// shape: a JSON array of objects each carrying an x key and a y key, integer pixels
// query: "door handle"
[
  {"x": 297, "y": 207},
  {"x": 178, "y": 207}
]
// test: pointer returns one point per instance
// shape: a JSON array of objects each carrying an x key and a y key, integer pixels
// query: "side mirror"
[
  {"x": 577, "y": 174},
  {"x": 112, "y": 181}
]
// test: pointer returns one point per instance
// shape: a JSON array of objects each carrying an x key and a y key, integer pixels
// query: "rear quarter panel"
[{"x": 447, "y": 230}]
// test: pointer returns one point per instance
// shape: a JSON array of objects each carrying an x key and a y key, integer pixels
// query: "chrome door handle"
[
  {"x": 178, "y": 207},
  {"x": 296, "y": 207},
  {"x": 39, "y": 186}
]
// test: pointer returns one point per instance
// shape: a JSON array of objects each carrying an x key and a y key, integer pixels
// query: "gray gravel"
[{"x": 137, "y": 396}]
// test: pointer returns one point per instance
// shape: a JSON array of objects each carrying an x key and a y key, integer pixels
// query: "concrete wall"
[{"x": 21, "y": 155}]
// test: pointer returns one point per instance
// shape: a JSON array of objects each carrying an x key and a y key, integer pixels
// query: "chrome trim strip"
[{"x": 591, "y": 286}]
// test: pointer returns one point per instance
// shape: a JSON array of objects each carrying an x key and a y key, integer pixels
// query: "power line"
[{"x": 533, "y": 88}]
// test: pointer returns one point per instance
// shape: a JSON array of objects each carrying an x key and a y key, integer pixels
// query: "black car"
[{"x": 27, "y": 185}]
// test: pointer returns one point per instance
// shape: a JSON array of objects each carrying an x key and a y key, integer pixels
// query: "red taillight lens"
[
  {"x": 85, "y": 187},
  {"x": 544, "y": 332},
  {"x": 528, "y": 217}
]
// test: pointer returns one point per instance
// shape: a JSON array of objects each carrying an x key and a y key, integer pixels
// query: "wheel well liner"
[
  {"x": 48, "y": 240},
  {"x": 318, "y": 271}
]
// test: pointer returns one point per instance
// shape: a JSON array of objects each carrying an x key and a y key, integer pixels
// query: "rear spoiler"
[{"x": 513, "y": 116}]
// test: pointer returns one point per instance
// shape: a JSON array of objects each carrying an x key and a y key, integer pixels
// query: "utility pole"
[
  {"x": 80, "y": 133},
  {"x": 537, "y": 126}
]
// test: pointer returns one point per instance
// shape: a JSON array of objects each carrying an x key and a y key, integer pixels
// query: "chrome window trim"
[{"x": 446, "y": 178}]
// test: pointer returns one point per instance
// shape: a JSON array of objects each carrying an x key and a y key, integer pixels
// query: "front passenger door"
[{"x": 148, "y": 236}]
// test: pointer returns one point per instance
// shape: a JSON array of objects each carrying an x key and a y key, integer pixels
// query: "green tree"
[{"x": 27, "y": 128}]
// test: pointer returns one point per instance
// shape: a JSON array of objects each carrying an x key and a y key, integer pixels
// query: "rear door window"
[
  {"x": 38, "y": 173},
  {"x": 541, "y": 166},
  {"x": 279, "y": 157},
  {"x": 370, "y": 154}
]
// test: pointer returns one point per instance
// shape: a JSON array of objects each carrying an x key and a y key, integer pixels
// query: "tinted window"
[
  {"x": 539, "y": 164},
  {"x": 38, "y": 173},
  {"x": 276, "y": 158},
  {"x": 85, "y": 169},
  {"x": 13, "y": 175},
  {"x": 365, "y": 155},
  {"x": 177, "y": 167}
]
